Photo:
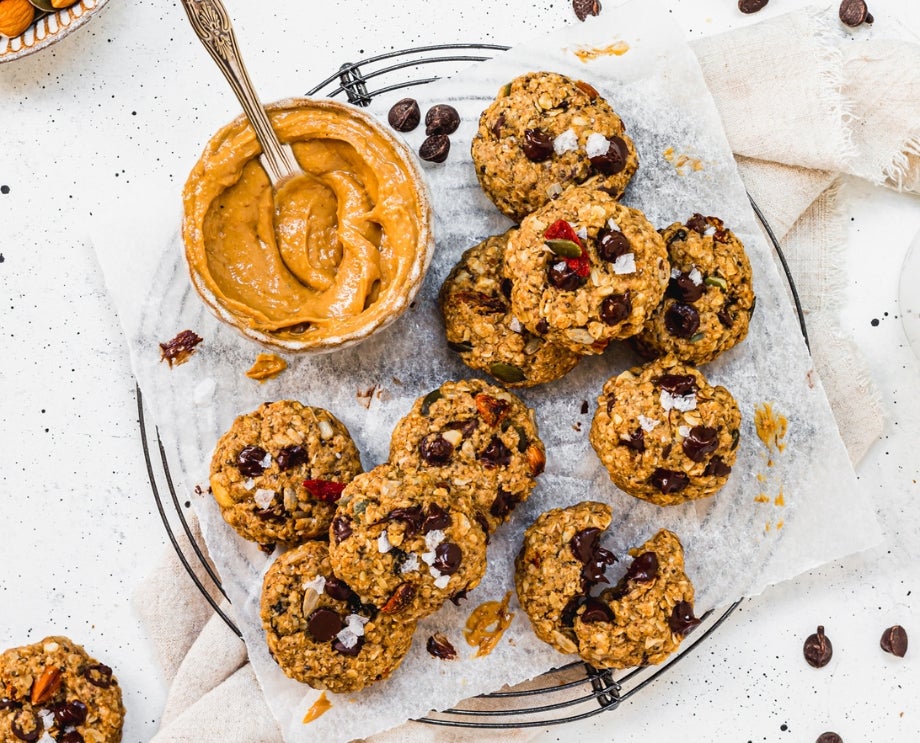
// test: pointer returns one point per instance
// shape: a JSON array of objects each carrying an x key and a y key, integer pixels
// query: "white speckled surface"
[{"x": 119, "y": 111}]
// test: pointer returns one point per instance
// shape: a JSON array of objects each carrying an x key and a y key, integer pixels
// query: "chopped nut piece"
[{"x": 179, "y": 349}]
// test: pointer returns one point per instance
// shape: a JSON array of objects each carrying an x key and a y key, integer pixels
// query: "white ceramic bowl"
[{"x": 48, "y": 29}]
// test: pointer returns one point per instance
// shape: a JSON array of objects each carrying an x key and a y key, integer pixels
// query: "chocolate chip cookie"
[
  {"x": 475, "y": 301},
  {"x": 586, "y": 270},
  {"x": 320, "y": 632},
  {"x": 665, "y": 434},
  {"x": 277, "y": 473},
  {"x": 543, "y": 133},
  {"x": 53, "y": 690},
  {"x": 480, "y": 439},
  {"x": 709, "y": 299},
  {"x": 406, "y": 541}
]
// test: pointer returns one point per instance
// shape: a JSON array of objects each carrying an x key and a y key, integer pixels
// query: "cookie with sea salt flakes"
[
  {"x": 665, "y": 434},
  {"x": 53, "y": 690},
  {"x": 278, "y": 471},
  {"x": 481, "y": 328},
  {"x": 543, "y": 133},
  {"x": 709, "y": 299},
  {"x": 405, "y": 541},
  {"x": 320, "y": 632}
]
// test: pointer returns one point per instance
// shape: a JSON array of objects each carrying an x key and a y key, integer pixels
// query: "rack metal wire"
[{"x": 565, "y": 694}]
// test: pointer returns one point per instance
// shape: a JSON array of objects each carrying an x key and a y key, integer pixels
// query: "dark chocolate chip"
[
  {"x": 584, "y": 8},
  {"x": 338, "y": 589},
  {"x": 698, "y": 223},
  {"x": 678, "y": 235},
  {"x": 412, "y": 516},
  {"x": 614, "y": 160},
  {"x": 439, "y": 646},
  {"x": 644, "y": 568},
  {"x": 435, "y": 148},
  {"x": 542, "y": 326},
  {"x": 636, "y": 440},
  {"x": 349, "y": 652},
  {"x": 592, "y": 572},
  {"x": 725, "y": 317},
  {"x": 615, "y": 308},
  {"x": 854, "y": 13},
  {"x": 435, "y": 450},
  {"x": 584, "y": 407},
  {"x": 291, "y": 456},
  {"x": 702, "y": 441},
  {"x": 482, "y": 303},
  {"x": 611, "y": 244},
  {"x": 465, "y": 427},
  {"x": 506, "y": 287},
  {"x": 751, "y": 6},
  {"x": 447, "y": 558},
  {"x": 818, "y": 649},
  {"x": 562, "y": 276},
  {"x": 437, "y": 518},
  {"x": 585, "y": 543},
  {"x": 72, "y": 736},
  {"x": 483, "y": 524},
  {"x": 249, "y": 461},
  {"x": 497, "y": 126},
  {"x": 716, "y": 467},
  {"x": 681, "y": 320},
  {"x": 537, "y": 145},
  {"x": 404, "y": 115},
  {"x": 682, "y": 621},
  {"x": 69, "y": 714},
  {"x": 324, "y": 624},
  {"x": 341, "y": 528},
  {"x": 7, "y": 703},
  {"x": 496, "y": 454},
  {"x": 26, "y": 725},
  {"x": 458, "y": 597},
  {"x": 503, "y": 504},
  {"x": 829, "y": 737},
  {"x": 678, "y": 385},
  {"x": 669, "y": 481},
  {"x": 441, "y": 119},
  {"x": 684, "y": 289},
  {"x": 596, "y": 611},
  {"x": 567, "y": 617},
  {"x": 611, "y": 401},
  {"x": 894, "y": 641},
  {"x": 99, "y": 675}
]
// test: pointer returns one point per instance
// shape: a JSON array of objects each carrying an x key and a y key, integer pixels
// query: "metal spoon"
[{"x": 212, "y": 25}]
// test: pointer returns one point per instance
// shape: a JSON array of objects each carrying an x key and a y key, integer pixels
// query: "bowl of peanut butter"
[{"x": 325, "y": 261}]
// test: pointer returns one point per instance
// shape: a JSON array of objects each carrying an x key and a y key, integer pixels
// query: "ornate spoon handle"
[{"x": 212, "y": 25}]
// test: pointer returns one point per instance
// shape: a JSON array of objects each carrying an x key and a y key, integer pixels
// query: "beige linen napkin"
[{"x": 803, "y": 102}]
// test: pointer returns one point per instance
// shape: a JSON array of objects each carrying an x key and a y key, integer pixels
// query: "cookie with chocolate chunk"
[
  {"x": 664, "y": 433},
  {"x": 320, "y": 632},
  {"x": 277, "y": 473},
  {"x": 475, "y": 301},
  {"x": 544, "y": 133},
  {"x": 53, "y": 690},
  {"x": 710, "y": 298}
]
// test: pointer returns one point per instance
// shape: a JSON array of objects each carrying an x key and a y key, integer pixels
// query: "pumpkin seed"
[
  {"x": 564, "y": 248},
  {"x": 508, "y": 373}
]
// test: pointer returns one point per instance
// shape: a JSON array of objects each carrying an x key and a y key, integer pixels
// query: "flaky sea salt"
[
  {"x": 348, "y": 638},
  {"x": 683, "y": 403},
  {"x": 383, "y": 543},
  {"x": 625, "y": 264},
  {"x": 612, "y": 225},
  {"x": 565, "y": 142},
  {"x": 263, "y": 497},
  {"x": 515, "y": 325},
  {"x": 318, "y": 584},
  {"x": 695, "y": 276},
  {"x": 596, "y": 145},
  {"x": 675, "y": 273},
  {"x": 266, "y": 461},
  {"x": 684, "y": 431},
  {"x": 433, "y": 539},
  {"x": 249, "y": 484},
  {"x": 410, "y": 564},
  {"x": 648, "y": 424},
  {"x": 204, "y": 391},
  {"x": 582, "y": 233},
  {"x": 441, "y": 581},
  {"x": 429, "y": 557}
]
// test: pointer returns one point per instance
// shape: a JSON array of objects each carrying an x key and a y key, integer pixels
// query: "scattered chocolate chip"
[
  {"x": 669, "y": 481},
  {"x": 611, "y": 401},
  {"x": 681, "y": 320},
  {"x": 702, "y": 441},
  {"x": 447, "y": 558},
  {"x": 818, "y": 649},
  {"x": 562, "y": 276},
  {"x": 179, "y": 349},
  {"x": 614, "y": 160},
  {"x": 636, "y": 440},
  {"x": 435, "y": 450},
  {"x": 644, "y": 568},
  {"x": 26, "y": 725},
  {"x": 596, "y": 611},
  {"x": 751, "y": 6},
  {"x": 684, "y": 289},
  {"x": 584, "y": 407},
  {"x": 615, "y": 308},
  {"x": 399, "y": 599},
  {"x": 829, "y": 737},
  {"x": 537, "y": 145},
  {"x": 725, "y": 317},
  {"x": 435, "y": 148},
  {"x": 698, "y": 223},
  {"x": 496, "y": 454},
  {"x": 584, "y": 8},
  {"x": 437, "y": 518},
  {"x": 503, "y": 504},
  {"x": 69, "y": 714},
  {"x": 250, "y": 459},
  {"x": 337, "y": 589},
  {"x": 439, "y": 646},
  {"x": 441, "y": 119},
  {"x": 274, "y": 513},
  {"x": 404, "y": 115},
  {"x": 682, "y": 621},
  {"x": 458, "y": 597},
  {"x": 716, "y": 467},
  {"x": 72, "y": 736},
  {"x": 99, "y": 675},
  {"x": 679, "y": 385},
  {"x": 349, "y": 652},
  {"x": 341, "y": 528},
  {"x": 324, "y": 624},
  {"x": 497, "y": 126},
  {"x": 412, "y": 516},
  {"x": 854, "y": 13},
  {"x": 894, "y": 641},
  {"x": 291, "y": 456},
  {"x": 611, "y": 244}
]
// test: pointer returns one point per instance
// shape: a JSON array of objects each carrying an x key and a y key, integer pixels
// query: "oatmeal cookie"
[
  {"x": 278, "y": 471},
  {"x": 475, "y": 303},
  {"x": 544, "y": 133},
  {"x": 709, "y": 300},
  {"x": 586, "y": 270},
  {"x": 665, "y": 434},
  {"x": 53, "y": 688},
  {"x": 642, "y": 619},
  {"x": 406, "y": 542},
  {"x": 481, "y": 439},
  {"x": 320, "y": 632},
  {"x": 559, "y": 561}
]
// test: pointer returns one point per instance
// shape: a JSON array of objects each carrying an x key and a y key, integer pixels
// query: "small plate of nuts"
[{"x": 29, "y": 25}]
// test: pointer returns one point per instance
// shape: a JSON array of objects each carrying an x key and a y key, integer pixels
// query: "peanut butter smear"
[
  {"x": 266, "y": 366},
  {"x": 320, "y": 707},
  {"x": 330, "y": 252},
  {"x": 486, "y": 625},
  {"x": 617, "y": 49},
  {"x": 771, "y": 429}
]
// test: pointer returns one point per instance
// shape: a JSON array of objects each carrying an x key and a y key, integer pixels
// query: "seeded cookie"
[
  {"x": 278, "y": 471},
  {"x": 586, "y": 270},
  {"x": 544, "y": 133},
  {"x": 481, "y": 439},
  {"x": 642, "y": 619},
  {"x": 406, "y": 541},
  {"x": 559, "y": 562},
  {"x": 665, "y": 434},
  {"x": 476, "y": 305},
  {"x": 320, "y": 632},
  {"x": 709, "y": 300},
  {"x": 53, "y": 690}
]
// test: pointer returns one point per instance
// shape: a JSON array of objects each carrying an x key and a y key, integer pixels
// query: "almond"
[
  {"x": 491, "y": 410},
  {"x": 46, "y": 685},
  {"x": 15, "y": 16},
  {"x": 536, "y": 459},
  {"x": 400, "y": 599}
]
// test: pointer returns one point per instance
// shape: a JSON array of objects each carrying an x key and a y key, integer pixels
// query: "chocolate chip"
[
  {"x": 441, "y": 119},
  {"x": 435, "y": 450},
  {"x": 349, "y": 652},
  {"x": 717, "y": 468},
  {"x": 412, "y": 516},
  {"x": 585, "y": 543},
  {"x": 99, "y": 675},
  {"x": 684, "y": 289},
  {"x": 584, "y": 8},
  {"x": 596, "y": 611},
  {"x": 250, "y": 459},
  {"x": 614, "y": 160},
  {"x": 679, "y": 385},
  {"x": 725, "y": 317},
  {"x": 439, "y": 646},
  {"x": 537, "y": 145},
  {"x": 497, "y": 126},
  {"x": 612, "y": 244},
  {"x": 495, "y": 454},
  {"x": 567, "y": 616},
  {"x": 702, "y": 441},
  {"x": 542, "y": 326},
  {"x": 338, "y": 589},
  {"x": 437, "y": 518},
  {"x": 341, "y": 528},
  {"x": 677, "y": 236},
  {"x": 483, "y": 524},
  {"x": 7, "y": 703},
  {"x": 69, "y": 714},
  {"x": 503, "y": 504},
  {"x": 854, "y": 13},
  {"x": 72, "y": 736},
  {"x": 584, "y": 407},
  {"x": 894, "y": 641},
  {"x": 751, "y": 6},
  {"x": 829, "y": 737},
  {"x": 324, "y": 624},
  {"x": 681, "y": 320},
  {"x": 458, "y": 597},
  {"x": 669, "y": 481},
  {"x": 404, "y": 115},
  {"x": 506, "y": 287},
  {"x": 818, "y": 649},
  {"x": 682, "y": 621},
  {"x": 447, "y": 558},
  {"x": 291, "y": 456},
  {"x": 611, "y": 401},
  {"x": 616, "y": 308},
  {"x": 636, "y": 440},
  {"x": 435, "y": 148},
  {"x": 644, "y": 568},
  {"x": 562, "y": 276},
  {"x": 273, "y": 513},
  {"x": 698, "y": 223},
  {"x": 26, "y": 725}
]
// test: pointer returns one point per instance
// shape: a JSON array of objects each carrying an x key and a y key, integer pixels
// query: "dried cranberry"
[
  {"x": 349, "y": 652},
  {"x": 611, "y": 244},
  {"x": 596, "y": 611},
  {"x": 250, "y": 459},
  {"x": 324, "y": 624},
  {"x": 681, "y": 320},
  {"x": 447, "y": 558},
  {"x": 437, "y": 518},
  {"x": 98, "y": 675},
  {"x": 69, "y": 714},
  {"x": 698, "y": 223},
  {"x": 341, "y": 528},
  {"x": 644, "y": 568},
  {"x": 684, "y": 289},
  {"x": 679, "y": 385},
  {"x": 503, "y": 504},
  {"x": 338, "y": 589},
  {"x": 435, "y": 450},
  {"x": 615, "y": 308},
  {"x": 496, "y": 454},
  {"x": 291, "y": 456},
  {"x": 682, "y": 621},
  {"x": 702, "y": 441},
  {"x": 324, "y": 490},
  {"x": 717, "y": 468},
  {"x": 614, "y": 160},
  {"x": 562, "y": 276},
  {"x": 537, "y": 145},
  {"x": 669, "y": 481},
  {"x": 635, "y": 441},
  {"x": 439, "y": 646}
]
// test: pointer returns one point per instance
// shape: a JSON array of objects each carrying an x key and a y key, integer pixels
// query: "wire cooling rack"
[{"x": 565, "y": 694}]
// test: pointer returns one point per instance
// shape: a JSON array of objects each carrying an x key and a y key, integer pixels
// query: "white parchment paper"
[{"x": 780, "y": 514}]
